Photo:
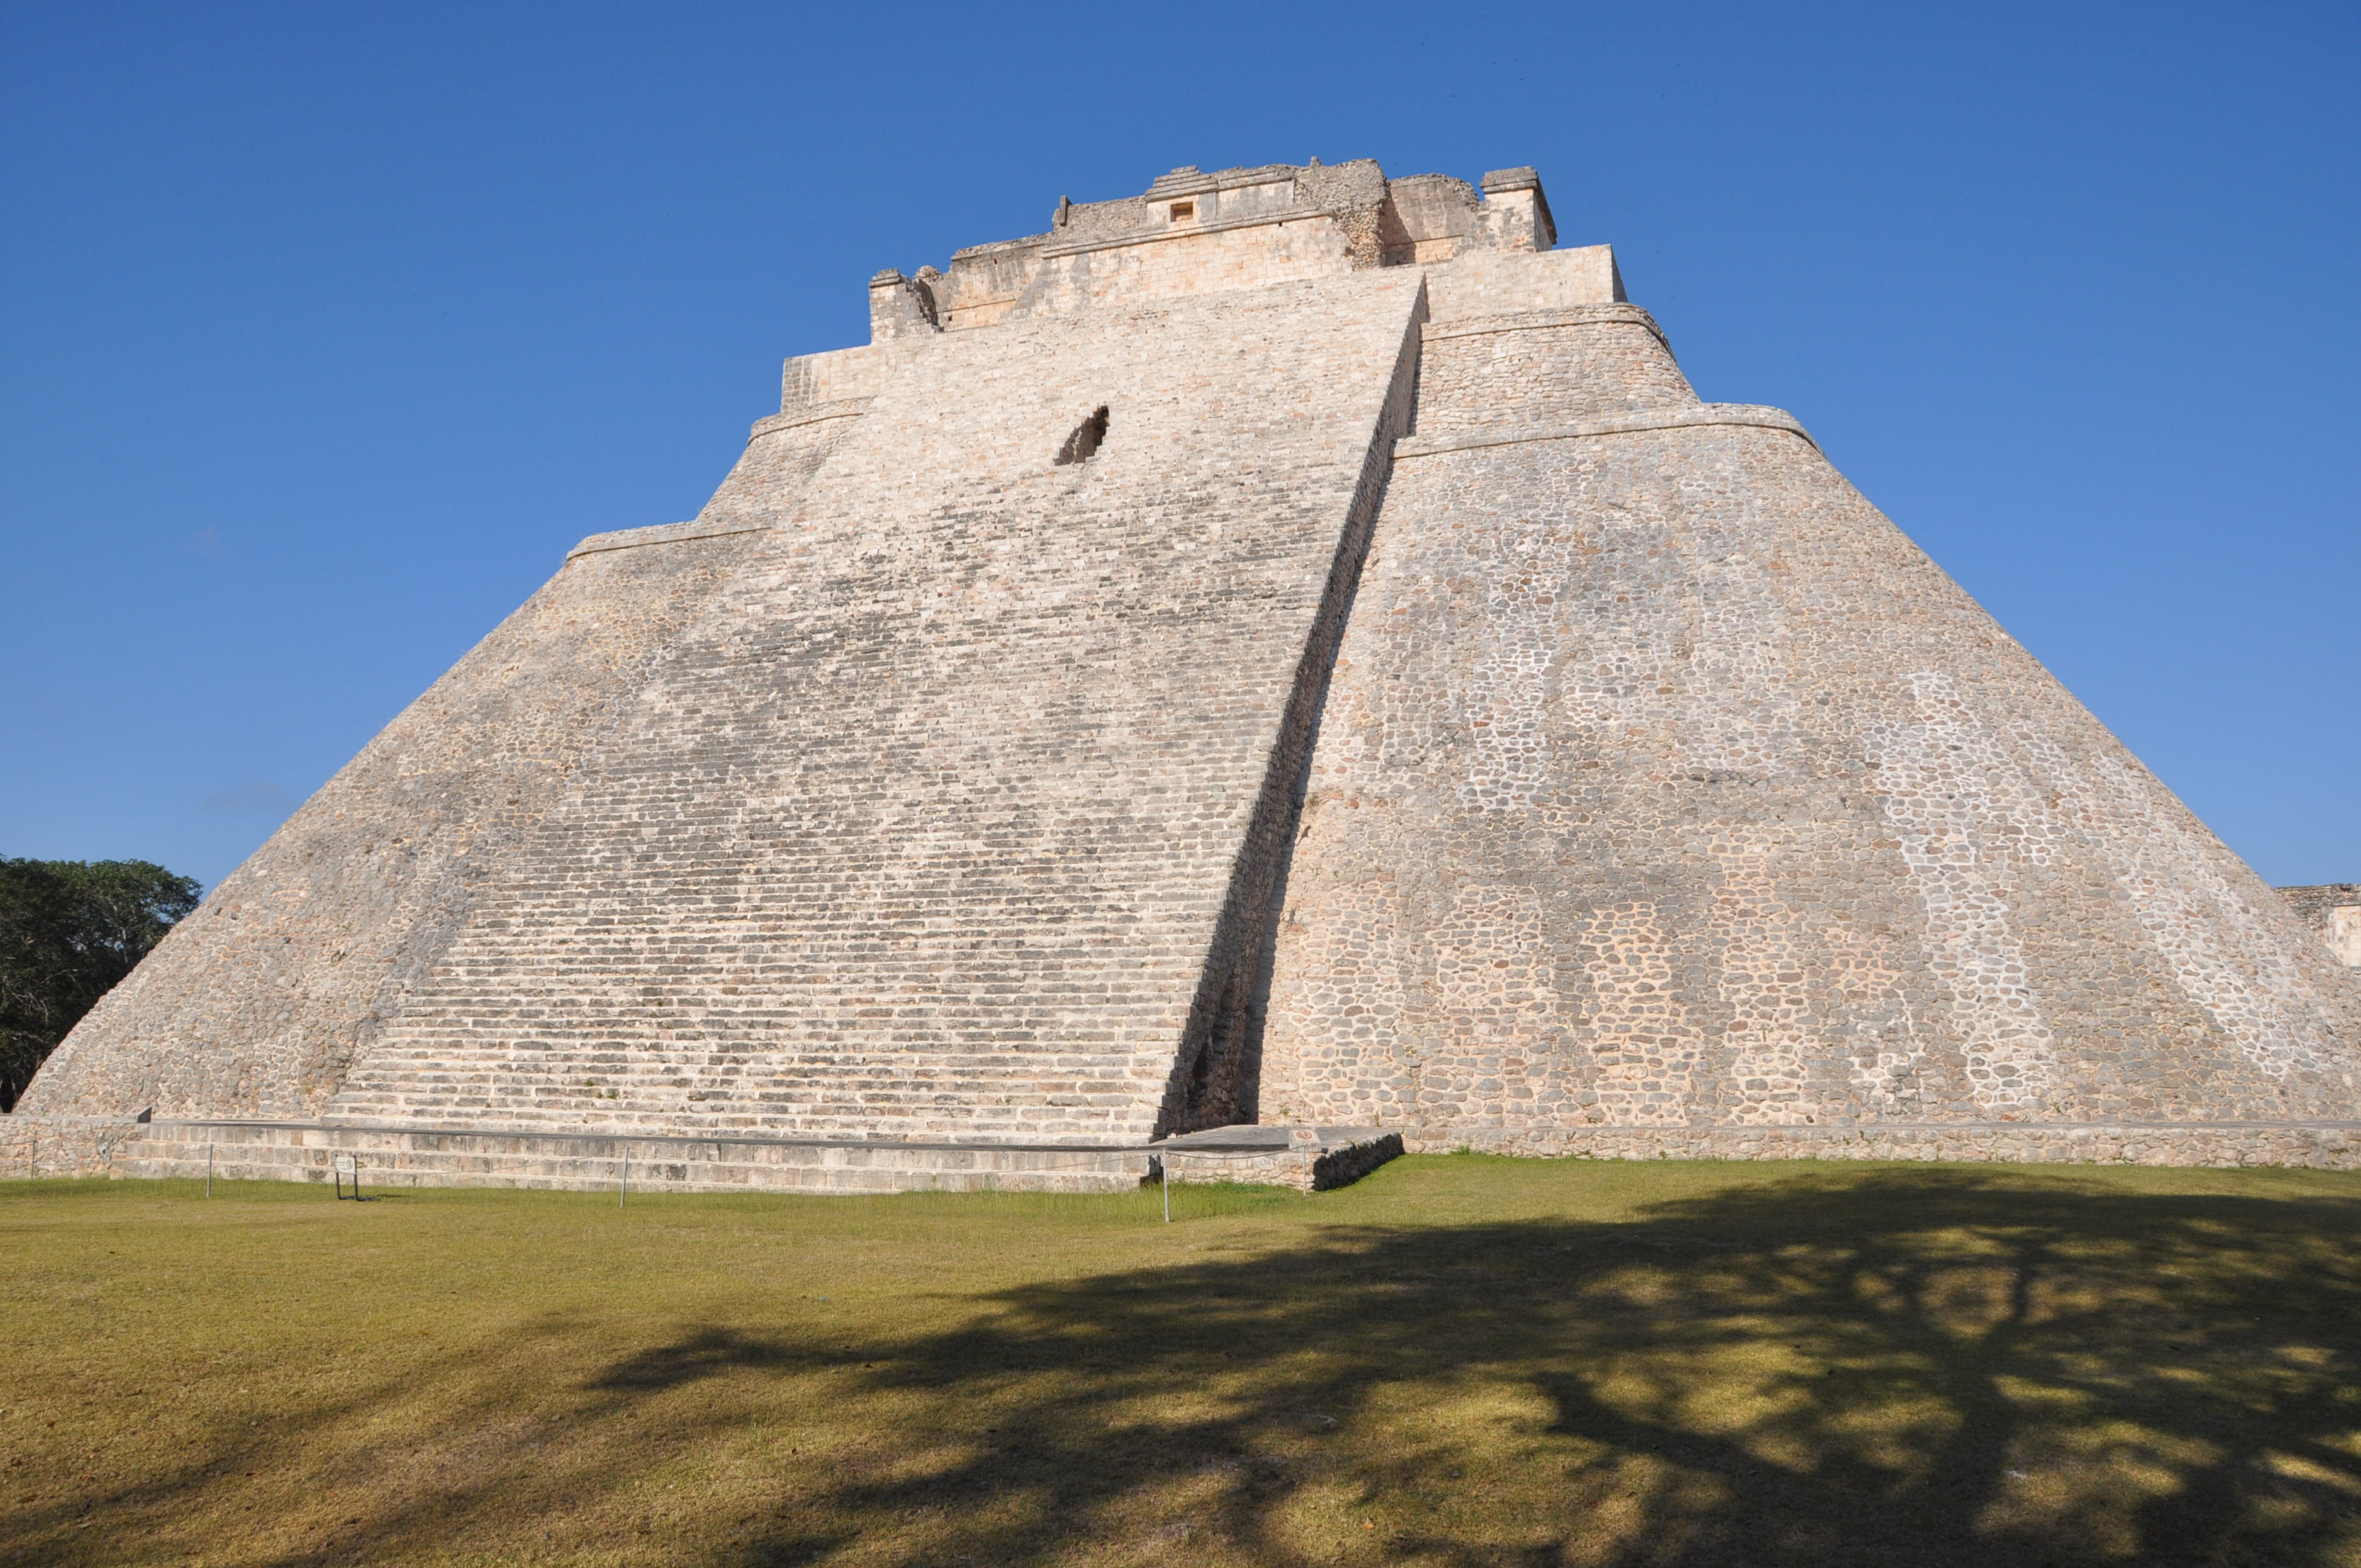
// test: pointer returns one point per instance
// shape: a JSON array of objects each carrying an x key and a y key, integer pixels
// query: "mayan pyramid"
[{"x": 1288, "y": 648}]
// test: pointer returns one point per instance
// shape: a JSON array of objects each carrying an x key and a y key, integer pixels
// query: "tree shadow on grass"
[
  {"x": 1930, "y": 1367},
  {"x": 1927, "y": 1367},
  {"x": 708, "y": 1352}
]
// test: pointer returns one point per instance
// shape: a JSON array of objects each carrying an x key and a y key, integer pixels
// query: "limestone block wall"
[
  {"x": 1523, "y": 368},
  {"x": 1502, "y": 282},
  {"x": 782, "y": 454},
  {"x": 1663, "y": 785},
  {"x": 958, "y": 815},
  {"x": 2333, "y": 912},
  {"x": 1194, "y": 234},
  {"x": 834, "y": 376},
  {"x": 1432, "y": 216},
  {"x": 1190, "y": 234},
  {"x": 1189, "y": 260},
  {"x": 32, "y": 1146}
]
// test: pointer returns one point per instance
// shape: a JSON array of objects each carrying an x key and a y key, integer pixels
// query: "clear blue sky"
[{"x": 328, "y": 328}]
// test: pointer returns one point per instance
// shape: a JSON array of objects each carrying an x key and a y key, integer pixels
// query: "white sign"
[{"x": 344, "y": 1164}]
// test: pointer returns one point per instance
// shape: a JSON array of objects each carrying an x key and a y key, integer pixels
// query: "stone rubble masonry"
[
  {"x": 2334, "y": 911},
  {"x": 33, "y": 1146},
  {"x": 1668, "y": 800},
  {"x": 1422, "y": 721}
]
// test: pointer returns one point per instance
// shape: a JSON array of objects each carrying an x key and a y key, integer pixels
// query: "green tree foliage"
[{"x": 69, "y": 931}]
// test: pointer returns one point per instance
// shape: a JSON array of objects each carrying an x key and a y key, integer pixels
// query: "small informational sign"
[{"x": 346, "y": 1164}]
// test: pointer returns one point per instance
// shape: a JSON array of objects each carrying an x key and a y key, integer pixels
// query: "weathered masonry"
[
  {"x": 1288, "y": 648},
  {"x": 2334, "y": 911}
]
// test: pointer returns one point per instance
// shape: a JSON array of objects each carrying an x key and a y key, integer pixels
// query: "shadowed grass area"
[{"x": 1459, "y": 1361}]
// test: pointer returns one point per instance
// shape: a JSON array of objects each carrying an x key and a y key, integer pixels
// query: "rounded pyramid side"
[
  {"x": 1667, "y": 794},
  {"x": 258, "y": 1004}
]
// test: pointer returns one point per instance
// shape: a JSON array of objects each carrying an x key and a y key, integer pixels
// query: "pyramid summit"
[{"x": 1286, "y": 653}]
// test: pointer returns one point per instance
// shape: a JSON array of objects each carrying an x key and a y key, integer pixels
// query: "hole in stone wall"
[
  {"x": 1183, "y": 211},
  {"x": 1086, "y": 439}
]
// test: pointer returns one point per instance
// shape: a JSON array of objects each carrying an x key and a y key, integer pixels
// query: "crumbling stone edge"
[
  {"x": 1308, "y": 1165},
  {"x": 39, "y": 1146}
]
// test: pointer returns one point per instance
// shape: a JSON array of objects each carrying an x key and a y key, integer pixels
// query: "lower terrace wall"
[
  {"x": 32, "y": 1147},
  {"x": 2319, "y": 1145}
]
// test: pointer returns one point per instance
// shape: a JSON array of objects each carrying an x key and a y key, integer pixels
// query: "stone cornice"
[
  {"x": 1601, "y": 315},
  {"x": 1696, "y": 416},
  {"x": 1185, "y": 231},
  {"x": 810, "y": 413},
  {"x": 661, "y": 533}
]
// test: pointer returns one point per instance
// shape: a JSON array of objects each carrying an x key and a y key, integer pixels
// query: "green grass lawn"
[{"x": 1459, "y": 1361}]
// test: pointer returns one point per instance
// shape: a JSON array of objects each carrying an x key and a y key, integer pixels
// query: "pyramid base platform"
[
  {"x": 393, "y": 1156},
  {"x": 389, "y": 1155}
]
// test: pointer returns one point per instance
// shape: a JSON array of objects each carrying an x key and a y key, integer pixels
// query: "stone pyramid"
[{"x": 1288, "y": 648}]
